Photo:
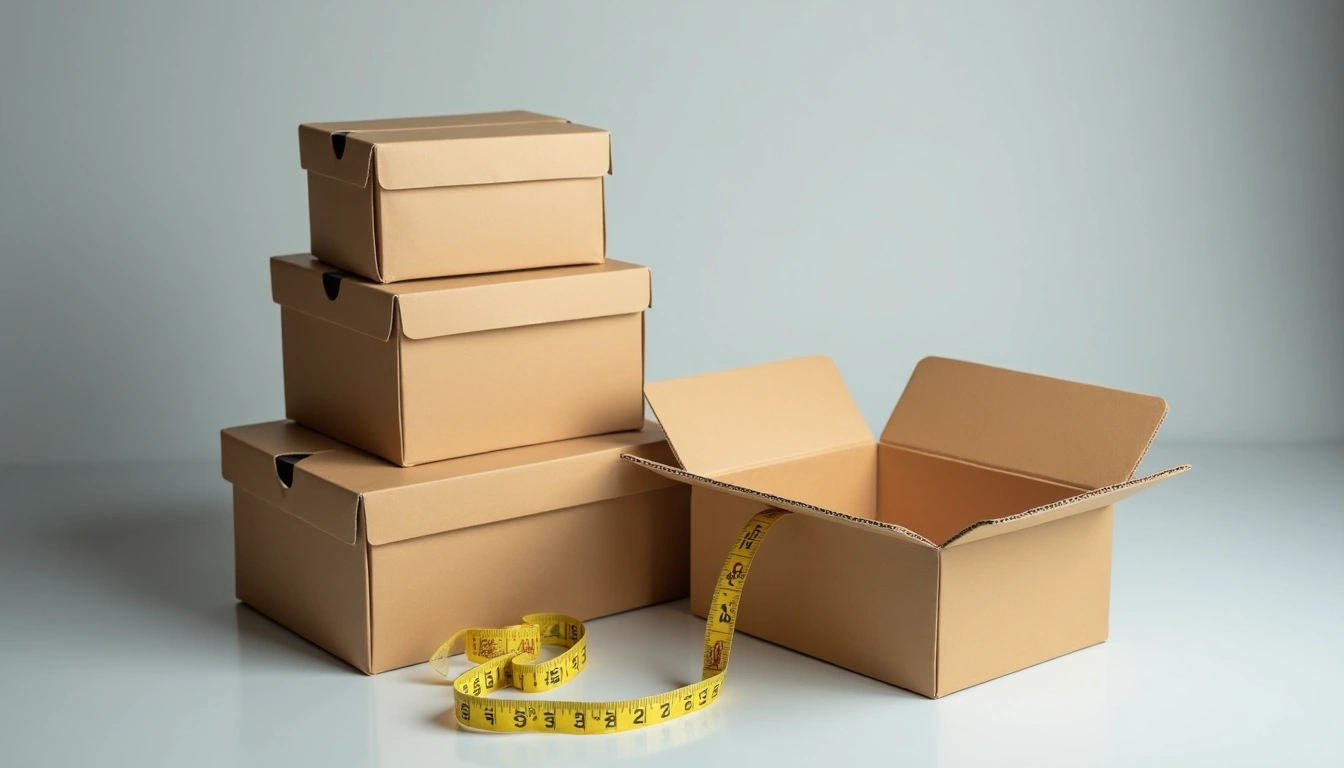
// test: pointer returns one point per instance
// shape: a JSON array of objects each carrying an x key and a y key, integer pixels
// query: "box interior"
[{"x": 934, "y": 496}]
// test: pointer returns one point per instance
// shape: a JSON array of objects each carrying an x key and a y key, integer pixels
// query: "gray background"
[{"x": 1145, "y": 195}]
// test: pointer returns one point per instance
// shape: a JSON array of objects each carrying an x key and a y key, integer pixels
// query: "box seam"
[
  {"x": 376, "y": 201},
  {"x": 773, "y": 500}
]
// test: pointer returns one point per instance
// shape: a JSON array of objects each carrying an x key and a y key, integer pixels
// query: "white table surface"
[{"x": 123, "y": 645}]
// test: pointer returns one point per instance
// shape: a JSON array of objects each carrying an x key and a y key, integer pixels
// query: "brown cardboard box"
[
  {"x": 436, "y": 369},
  {"x": 972, "y": 541},
  {"x": 379, "y": 564},
  {"x": 455, "y": 195}
]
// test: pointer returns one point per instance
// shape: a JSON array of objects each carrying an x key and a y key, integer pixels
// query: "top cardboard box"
[
  {"x": 422, "y": 197},
  {"x": 972, "y": 540}
]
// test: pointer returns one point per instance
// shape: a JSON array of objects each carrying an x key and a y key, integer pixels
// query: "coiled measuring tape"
[{"x": 507, "y": 658}]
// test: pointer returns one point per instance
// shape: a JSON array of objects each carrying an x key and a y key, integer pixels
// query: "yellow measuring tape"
[{"x": 507, "y": 657}]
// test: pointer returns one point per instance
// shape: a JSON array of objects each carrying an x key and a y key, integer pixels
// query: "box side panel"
[
  {"x": 340, "y": 225},
  {"x": 442, "y": 231},
  {"x": 1011, "y": 601},
  {"x": 302, "y": 578},
  {"x": 852, "y": 597},
  {"x": 938, "y": 497},
  {"x": 586, "y": 561},
  {"x": 342, "y": 383},
  {"x": 512, "y": 387}
]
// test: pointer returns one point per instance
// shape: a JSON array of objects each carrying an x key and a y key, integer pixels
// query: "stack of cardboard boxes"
[{"x": 463, "y": 369}]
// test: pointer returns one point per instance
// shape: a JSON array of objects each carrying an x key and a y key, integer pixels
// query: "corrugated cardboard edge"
[
  {"x": 1080, "y": 500},
  {"x": 893, "y": 528},
  {"x": 779, "y": 501}
]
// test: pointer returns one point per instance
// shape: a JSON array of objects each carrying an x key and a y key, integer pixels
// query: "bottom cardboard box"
[
  {"x": 379, "y": 564},
  {"x": 972, "y": 540}
]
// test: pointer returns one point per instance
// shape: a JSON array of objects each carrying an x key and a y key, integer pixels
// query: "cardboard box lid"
[
  {"x": 1063, "y": 431},
  {"x": 328, "y": 484},
  {"x": 721, "y": 423},
  {"x": 454, "y": 150},
  {"x": 452, "y": 305}
]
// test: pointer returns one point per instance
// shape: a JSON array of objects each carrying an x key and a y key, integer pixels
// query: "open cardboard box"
[
  {"x": 419, "y": 197},
  {"x": 972, "y": 540}
]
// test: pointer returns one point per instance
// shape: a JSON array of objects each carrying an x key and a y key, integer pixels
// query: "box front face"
[
  {"x": 302, "y": 578},
  {"x": 340, "y": 225},
  {"x": 856, "y": 598},
  {"x": 442, "y": 231},
  {"x": 477, "y": 392},
  {"x": 341, "y": 383},
  {"x": 1011, "y": 601},
  {"x": 587, "y": 561}
]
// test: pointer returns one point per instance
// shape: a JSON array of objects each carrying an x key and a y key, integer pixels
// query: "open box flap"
[
  {"x": 1086, "y": 502},
  {"x": 1057, "y": 430},
  {"x": 777, "y": 501},
  {"x": 344, "y": 150},
  {"x": 747, "y": 417},
  {"x": 305, "y": 284},
  {"x": 326, "y": 483},
  {"x": 452, "y": 305}
]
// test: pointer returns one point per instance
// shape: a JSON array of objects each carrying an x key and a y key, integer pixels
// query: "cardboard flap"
[
  {"x": 690, "y": 478},
  {"x": 452, "y": 305},
  {"x": 493, "y": 154},
  {"x": 286, "y": 466},
  {"x": 1063, "y": 431},
  {"x": 732, "y": 420},
  {"x": 344, "y": 151},
  {"x": 1086, "y": 502},
  {"x": 332, "y": 482}
]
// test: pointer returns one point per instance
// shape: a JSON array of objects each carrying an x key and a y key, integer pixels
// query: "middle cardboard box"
[{"x": 436, "y": 369}]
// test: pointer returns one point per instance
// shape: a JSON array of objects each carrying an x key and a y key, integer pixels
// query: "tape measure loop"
[{"x": 507, "y": 657}]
